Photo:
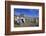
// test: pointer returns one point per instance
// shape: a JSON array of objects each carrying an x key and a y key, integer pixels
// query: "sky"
[{"x": 27, "y": 12}]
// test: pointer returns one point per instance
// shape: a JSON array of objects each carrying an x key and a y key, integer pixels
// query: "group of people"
[{"x": 20, "y": 21}]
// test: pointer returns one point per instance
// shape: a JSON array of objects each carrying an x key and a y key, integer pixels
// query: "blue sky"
[{"x": 27, "y": 12}]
